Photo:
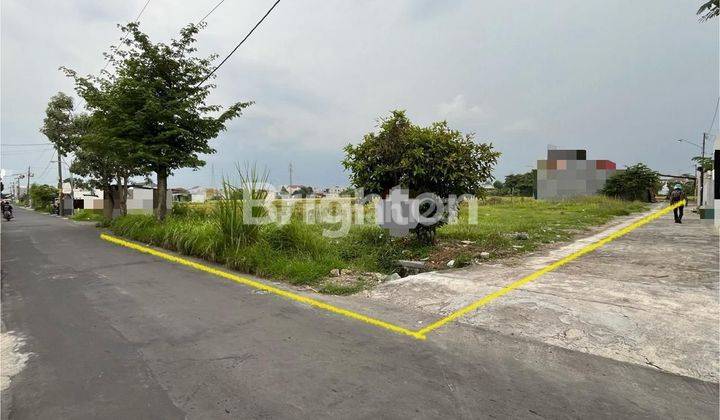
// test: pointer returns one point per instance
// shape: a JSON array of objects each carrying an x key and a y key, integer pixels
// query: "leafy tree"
[
  {"x": 708, "y": 10},
  {"x": 636, "y": 182},
  {"x": 155, "y": 103},
  {"x": 348, "y": 192},
  {"x": 433, "y": 159},
  {"x": 521, "y": 184},
  {"x": 42, "y": 196},
  {"x": 78, "y": 182},
  {"x": 498, "y": 186},
  {"x": 706, "y": 163},
  {"x": 58, "y": 127}
]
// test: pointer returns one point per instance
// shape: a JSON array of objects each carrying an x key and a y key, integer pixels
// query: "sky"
[{"x": 621, "y": 79}]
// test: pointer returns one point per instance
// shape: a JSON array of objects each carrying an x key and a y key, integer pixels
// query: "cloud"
[
  {"x": 520, "y": 73},
  {"x": 459, "y": 110}
]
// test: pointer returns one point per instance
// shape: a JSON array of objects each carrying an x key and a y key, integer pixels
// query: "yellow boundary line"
[
  {"x": 419, "y": 334},
  {"x": 262, "y": 286},
  {"x": 548, "y": 268}
]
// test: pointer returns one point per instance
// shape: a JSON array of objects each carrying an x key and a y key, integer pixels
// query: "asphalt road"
[{"x": 117, "y": 334}]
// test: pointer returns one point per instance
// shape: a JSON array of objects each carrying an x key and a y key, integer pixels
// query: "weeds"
[{"x": 297, "y": 252}]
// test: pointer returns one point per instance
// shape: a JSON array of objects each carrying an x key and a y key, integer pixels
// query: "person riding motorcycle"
[{"x": 6, "y": 209}]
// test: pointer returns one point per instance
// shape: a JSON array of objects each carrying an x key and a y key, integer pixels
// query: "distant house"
[
  {"x": 180, "y": 195},
  {"x": 333, "y": 192},
  {"x": 202, "y": 194}
]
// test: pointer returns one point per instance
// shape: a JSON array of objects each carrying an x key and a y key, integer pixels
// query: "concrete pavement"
[
  {"x": 650, "y": 297},
  {"x": 111, "y": 333}
]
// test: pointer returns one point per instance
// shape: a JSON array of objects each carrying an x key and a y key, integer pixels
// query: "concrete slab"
[{"x": 649, "y": 298}]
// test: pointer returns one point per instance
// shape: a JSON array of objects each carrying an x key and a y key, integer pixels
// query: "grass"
[
  {"x": 299, "y": 254},
  {"x": 87, "y": 216}
]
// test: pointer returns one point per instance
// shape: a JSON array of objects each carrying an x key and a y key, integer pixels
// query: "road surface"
[{"x": 112, "y": 333}]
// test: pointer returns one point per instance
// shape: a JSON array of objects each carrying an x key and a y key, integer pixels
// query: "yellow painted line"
[
  {"x": 262, "y": 286},
  {"x": 419, "y": 334},
  {"x": 551, "y": 267}
]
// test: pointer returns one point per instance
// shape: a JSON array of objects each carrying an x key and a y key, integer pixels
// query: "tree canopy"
[
  {"x": 708, "y": 10},
  {"x": 636, "y": 182},
  {"x": 435, "y": 159},
  {"x": 153, "y": 108},
  {"x": 58, "y": 124}
]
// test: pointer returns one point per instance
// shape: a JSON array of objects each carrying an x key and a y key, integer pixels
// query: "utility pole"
[
  {"x": 702, "y": 172},
  {"x": 27, "y": 191},
  {"x": 60, "y": 194}
]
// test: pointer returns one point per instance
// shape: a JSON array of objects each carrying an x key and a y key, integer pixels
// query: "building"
[
  {"x": 333, "y": 192},
  {"x": 568, "y": 173}
]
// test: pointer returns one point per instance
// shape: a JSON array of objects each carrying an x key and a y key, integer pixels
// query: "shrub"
[
  {"x": 42, "y": 196},
  {"x": 434, "y": 159},
  {"x": 637, "y": 182}
]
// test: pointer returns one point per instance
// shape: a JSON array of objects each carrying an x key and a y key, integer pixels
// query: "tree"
[
  {"x": 58, "y": 127},
  {"x": 708, "y": 10},
  {"x": 706, "y": 163},
  {"x": 637, "y": 182},
  {"x": 42, "y": 196},
  {"x": 521, "y": 184},
  {"x": 157, "y": 102},
  {"x": 348, "y": 192},
  {"x": 498, "y": 186},
  {"x": 433, "y": 159}
]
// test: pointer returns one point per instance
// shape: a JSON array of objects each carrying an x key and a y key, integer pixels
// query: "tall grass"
[
  {"x": 298, "y": 253},
  {"x": 233, "y": 225}
]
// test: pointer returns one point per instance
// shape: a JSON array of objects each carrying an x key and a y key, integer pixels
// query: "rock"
[
  {"x": 347, "y": 272},
  {"x": 375, "y": 276},
  {"x": 335, "y": 272},
  {"x": 467, "y": 242},
  {"x": 393, "y": 276},
  {"x": 523, "y": 236},
  {"x": 484, "y": 254},
  {"x": 451, "y": 263},
  {"x": 518, "y": 246},
  {"x": 411, "y": 264}
]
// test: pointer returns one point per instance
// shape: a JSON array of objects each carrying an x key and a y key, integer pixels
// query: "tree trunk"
[
  {"x": 108, "y": 202},
  {"x": 122, "y": 186},
  {"x": 161, "y": 209}
]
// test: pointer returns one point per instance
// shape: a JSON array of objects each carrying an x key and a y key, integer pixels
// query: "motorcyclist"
[{"x": 6, "y": 206}]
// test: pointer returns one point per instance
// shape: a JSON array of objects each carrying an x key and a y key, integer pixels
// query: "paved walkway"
[{"x": 650, "y": 297}]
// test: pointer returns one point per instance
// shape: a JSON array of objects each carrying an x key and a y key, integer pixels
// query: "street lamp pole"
[{"x": 702, "y": 168}]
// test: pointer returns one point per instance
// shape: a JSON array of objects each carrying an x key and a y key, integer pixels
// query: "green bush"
[
  {"x": 637, "y": 182},
  {"x": 42, "y": 196}
]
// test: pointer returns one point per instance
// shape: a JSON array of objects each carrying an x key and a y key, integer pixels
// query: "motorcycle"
[{"x": 7, "y": 211}]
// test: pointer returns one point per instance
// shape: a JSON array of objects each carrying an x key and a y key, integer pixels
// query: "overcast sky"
[{"x": 619, "y": 78}]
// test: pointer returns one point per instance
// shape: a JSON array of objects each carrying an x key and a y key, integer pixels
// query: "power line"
[
  {"x": 240, "y": 43},
  {"x": 210, "y": 12},
  {"x": 46, "y": 167},
  {"x": 714, "y": 115},
  {"x": 137, "y": 18}
]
